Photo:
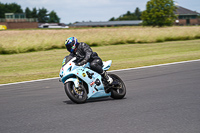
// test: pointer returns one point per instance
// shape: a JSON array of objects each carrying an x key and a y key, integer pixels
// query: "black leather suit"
[{"x": 84, "y": 52}]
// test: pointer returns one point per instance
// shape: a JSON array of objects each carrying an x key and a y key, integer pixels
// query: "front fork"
[{"x": 77, "y": 83}]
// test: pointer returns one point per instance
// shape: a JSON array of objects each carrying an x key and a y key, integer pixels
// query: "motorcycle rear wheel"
[
  {"x": 75, "y": 95},
  {"x": 119, "y": 90}
]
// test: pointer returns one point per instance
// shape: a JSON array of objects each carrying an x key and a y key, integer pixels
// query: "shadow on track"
[{"x": 93, "y": 100}]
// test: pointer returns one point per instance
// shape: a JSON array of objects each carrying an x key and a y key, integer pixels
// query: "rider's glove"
[{"x": 82, "y": 63}]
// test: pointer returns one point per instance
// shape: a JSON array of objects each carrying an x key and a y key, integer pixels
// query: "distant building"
[
  {"x": 18, "y": 21},
  {"x": 186, "y": 16},
  {"x": 15, "y": 16},
  {"x": 107, "y": 23},
  {"x": 52, "y": 25}
]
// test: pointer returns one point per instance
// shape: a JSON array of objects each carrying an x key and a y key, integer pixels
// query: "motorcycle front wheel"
[
  {"x": 77, "y": 96},
  {"x": 118, "y": 90}
]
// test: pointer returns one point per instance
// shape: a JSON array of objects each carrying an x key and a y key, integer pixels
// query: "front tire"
[
  {"x": 119, "y": 90},
  {"x": 75, "y": 95}
]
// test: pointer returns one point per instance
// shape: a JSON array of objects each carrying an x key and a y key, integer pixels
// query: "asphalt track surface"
[{"x": 161, "y": 99}]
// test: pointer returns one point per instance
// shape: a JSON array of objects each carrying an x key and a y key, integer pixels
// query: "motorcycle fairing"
[
  {"x": 107, "y": 64},
  {"x": 90, "y": 77}
]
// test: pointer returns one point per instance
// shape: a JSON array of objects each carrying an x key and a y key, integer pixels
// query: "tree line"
[
  {"x": 157, "y": 13},
  {"x": 41, "y": 14},
  {"x": 129, "y": 16}
]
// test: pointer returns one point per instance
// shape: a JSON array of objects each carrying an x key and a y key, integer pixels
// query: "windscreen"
[{"x": 66, "y": 60}]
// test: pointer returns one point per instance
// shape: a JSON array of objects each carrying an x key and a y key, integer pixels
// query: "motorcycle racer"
[{"x": 84, "y": 54}]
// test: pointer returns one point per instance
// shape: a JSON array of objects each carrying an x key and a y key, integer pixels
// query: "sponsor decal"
[
  {"x": 92, "y": 83},
  {"x": 98, "y": 82},
  {"x": 84, "y": 75},
  {"x": 90, "y": 74},
  {"x": 95, "y": 88}
]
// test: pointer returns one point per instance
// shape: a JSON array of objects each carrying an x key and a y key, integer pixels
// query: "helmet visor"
[{"x": 70, "y": 45}]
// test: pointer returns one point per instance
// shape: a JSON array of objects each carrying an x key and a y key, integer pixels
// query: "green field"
[
  {"x": 21, "y": 41},
  {"x": 46, "y": 64}
]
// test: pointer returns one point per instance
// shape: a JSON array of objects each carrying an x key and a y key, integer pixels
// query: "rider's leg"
[
  {"x": 96, "y": 65},
  {"x": 107, "y": 77}
]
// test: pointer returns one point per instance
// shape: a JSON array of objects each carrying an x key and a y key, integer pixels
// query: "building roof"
[
  {"x": 109, "y": 23},
  {"x": 183, "y": 11}
]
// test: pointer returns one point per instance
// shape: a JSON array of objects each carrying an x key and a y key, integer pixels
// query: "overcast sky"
[{"x": 93, "y": 10}]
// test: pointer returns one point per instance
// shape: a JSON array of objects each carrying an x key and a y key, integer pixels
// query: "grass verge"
[{"x": 46, "y": 64}]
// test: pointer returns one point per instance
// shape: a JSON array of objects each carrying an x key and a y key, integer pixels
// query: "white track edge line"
[{"x": 166, "y": 64}]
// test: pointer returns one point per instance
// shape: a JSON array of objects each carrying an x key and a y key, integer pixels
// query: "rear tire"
[
  {"x": 120, "y": 90},
  {"x": 75, "y": 95}
]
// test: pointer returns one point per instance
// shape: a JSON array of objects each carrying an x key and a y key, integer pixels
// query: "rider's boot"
[{"x": 107, "y": 77}]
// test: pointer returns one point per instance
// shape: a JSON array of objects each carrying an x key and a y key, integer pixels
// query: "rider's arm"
[{"x": 88, "y": 51}]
